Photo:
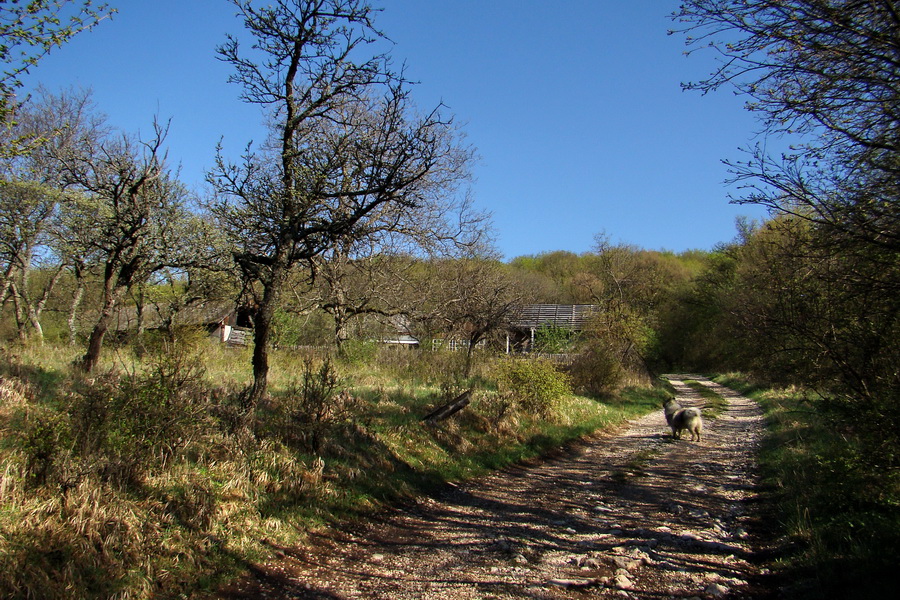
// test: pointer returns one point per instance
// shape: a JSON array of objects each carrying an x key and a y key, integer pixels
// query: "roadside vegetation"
[
  {"x": 837, "y": 518},
  {"x": 713, "y": 403},
  {"x": 141, "y": 481}
]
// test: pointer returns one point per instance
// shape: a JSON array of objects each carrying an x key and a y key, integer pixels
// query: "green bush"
[
  {"x": 314, "y": 405},
  {"x": 359, "y": 352},
  {"x": 553, "y": 339},
  {"x": 536, "y": 386},
  {"x": 44, "y": 437},
  {"x": 125, "y": 425}
]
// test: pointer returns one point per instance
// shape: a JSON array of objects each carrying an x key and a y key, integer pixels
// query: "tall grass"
[
  {"x": 839, "y": 516},
  {"x": 135, "y": 483}
]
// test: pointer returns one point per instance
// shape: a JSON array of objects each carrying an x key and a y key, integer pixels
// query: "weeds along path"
[{"x": 628, "y": 514}]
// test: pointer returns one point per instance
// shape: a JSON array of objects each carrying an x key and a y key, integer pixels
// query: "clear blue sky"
[{"x": 574, "y": 107}]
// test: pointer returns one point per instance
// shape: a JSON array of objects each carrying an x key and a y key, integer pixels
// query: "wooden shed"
[
  {"x": 223, "y": 320},
  {"x": 532, "y": 317}
]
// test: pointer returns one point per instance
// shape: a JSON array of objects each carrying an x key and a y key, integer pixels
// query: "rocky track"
[{"x": 629, "y": 514}]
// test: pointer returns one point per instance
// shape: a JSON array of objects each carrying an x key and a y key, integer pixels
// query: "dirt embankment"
[{"x": 630, "y": 514}]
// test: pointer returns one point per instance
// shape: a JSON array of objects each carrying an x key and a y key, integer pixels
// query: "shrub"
[
  {"x": 597, "y": 372},
  {"x": 553, "y": 339},
  {"x": 43, "y": 438},
  {"x": 124, "y": 425},
  {"x": 535, "y": 386},
  {"x": 316, "y": 402},
  {"x": 359, "y": 352}
]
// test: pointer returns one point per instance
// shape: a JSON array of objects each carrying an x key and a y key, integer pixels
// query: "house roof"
[
  {"x": 154, "y": 315},
  {"x": 568, "y": 316}
]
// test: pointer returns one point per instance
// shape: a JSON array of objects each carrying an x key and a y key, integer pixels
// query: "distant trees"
[
  {"x": 346, "y": 141},
  {"x": 136, "y": 212},
  {"x": 472, "y": 298},
  {"x": 87, "y": 200},
  {"x": 372, "y": 274},
  {"x": 32, "y": 201}
]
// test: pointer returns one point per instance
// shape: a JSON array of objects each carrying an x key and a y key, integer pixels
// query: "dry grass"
[{"x": 136, "y": 484}]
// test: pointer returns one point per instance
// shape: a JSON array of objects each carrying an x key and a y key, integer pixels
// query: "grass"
[
  {"x": 838, "y": 517},
  {"x": 135, "y": 483},
  {"x": 714, "y": 403}
]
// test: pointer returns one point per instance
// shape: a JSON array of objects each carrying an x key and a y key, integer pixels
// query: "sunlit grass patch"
[{"x": 714, "y": 403}]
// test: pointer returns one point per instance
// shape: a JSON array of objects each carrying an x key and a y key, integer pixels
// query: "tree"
[
  {"x": 473, "y": 297},
  {"x": 629, "y": 285},
  {"x": 345, "y": 141},
  {"x": 31, "y": 197},
  {"x": 372, "y": 276},
  {"x": 135, "y": 211},
  {"x": 825, "y": 71},
  {"x": 28, "y": 32},
  {"x": 26, "y": 209}
]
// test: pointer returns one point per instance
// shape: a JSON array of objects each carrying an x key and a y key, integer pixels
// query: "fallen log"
[{"x": 449, "y": 409}]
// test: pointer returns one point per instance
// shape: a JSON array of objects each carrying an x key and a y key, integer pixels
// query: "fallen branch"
[{"x": 449, "y": 409}]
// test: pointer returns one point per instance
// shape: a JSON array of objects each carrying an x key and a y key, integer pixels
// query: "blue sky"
[{"x": 574, "y": 107}]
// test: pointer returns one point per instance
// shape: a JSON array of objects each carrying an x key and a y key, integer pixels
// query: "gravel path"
[{"x": 629, "y": 514}]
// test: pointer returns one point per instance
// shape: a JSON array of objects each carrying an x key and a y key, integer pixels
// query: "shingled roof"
[{"x": 568, "y": 316}]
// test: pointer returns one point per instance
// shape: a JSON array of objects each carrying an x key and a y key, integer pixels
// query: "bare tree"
[
  {"x": 371, "y": 275},
  {"x": 828, "y": 72},
  {"x": 474, "y": 297},
  {"x": 345, "y": 142},
  {"x": 134, "y": 209}
]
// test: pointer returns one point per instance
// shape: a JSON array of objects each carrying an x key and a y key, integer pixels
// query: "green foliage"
[
  {"x": 112, "y": 480},
  {"x": 425, "y": 367},
  {"x": 44, "y": 436},
  {"x": 359, "y": 352},
  {"x": 315, "y": 404},
  {"x": 537, "y": 386},
  {"x": 553, "y": 339}
]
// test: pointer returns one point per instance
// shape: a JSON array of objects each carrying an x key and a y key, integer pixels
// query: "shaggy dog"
[{"x": 680, "y": 418}]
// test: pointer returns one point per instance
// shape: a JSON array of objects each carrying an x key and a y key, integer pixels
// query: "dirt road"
[{"x": 634, "y": 514}]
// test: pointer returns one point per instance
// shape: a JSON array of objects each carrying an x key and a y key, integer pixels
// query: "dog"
[{"x": 680, "y": 418}]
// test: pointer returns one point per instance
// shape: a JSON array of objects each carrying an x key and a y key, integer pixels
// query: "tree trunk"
[
  {"x": 18, "y": 305},
  {"x": 340, "y": 330},
  {"x": 35, "y": 310},
  {"x": 98, "y": 333},
  {"x": 262, "y": 332},
  {"x": 7, "y": 284},
  {"x": 451, "y": 408},
  {"x": 473, "y": 341},
  {"x": 73, "y": 307}
]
